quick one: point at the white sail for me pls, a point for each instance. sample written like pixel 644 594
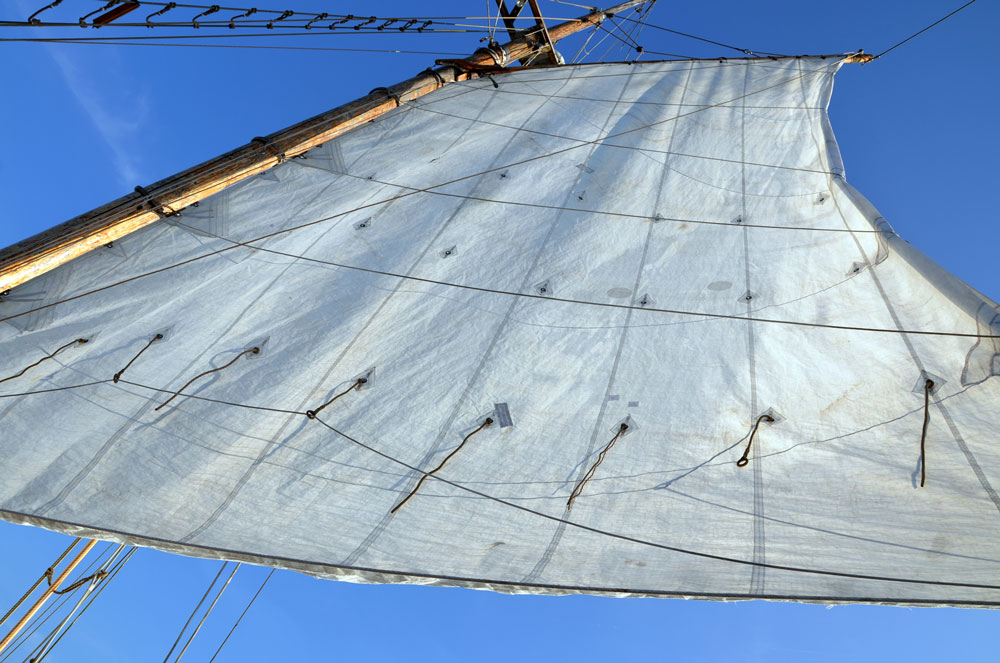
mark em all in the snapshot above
pixel 580 294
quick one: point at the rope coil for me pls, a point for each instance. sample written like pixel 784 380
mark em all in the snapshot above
pixel 253 350
pixel 600 459
pixel 486 422
pixel 744 460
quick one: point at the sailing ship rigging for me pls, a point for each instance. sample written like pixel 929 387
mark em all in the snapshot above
pixel 511 327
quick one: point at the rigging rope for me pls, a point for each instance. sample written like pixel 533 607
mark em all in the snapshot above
pixel 47 575
pixel 653 544
pixel 253 350
pixel 745 458
pixel 208 612
pixel 745 51
pixel 195 611
pixel 242 615
pixel 106 41
pixel 486 422
pixel 110 576
pixel 915 34
pixel 600 459
pixel 928 387
pixel 24 370
pixel 278 19
pixel 357 385
pixel 118 375
pixel 43 616
pixel 95 580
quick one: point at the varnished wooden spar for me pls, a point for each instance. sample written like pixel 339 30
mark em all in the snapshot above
pixel 51 248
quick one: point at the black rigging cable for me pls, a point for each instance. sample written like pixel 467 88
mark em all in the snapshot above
pixel 97 592
pixel 98 42
pixel 915 34
pixel 745 51
pixel 595 530
pixel 208 612
pixel 49 611
pixel 242 615
pixel 250 244
pixel 653 544
pixel 195 611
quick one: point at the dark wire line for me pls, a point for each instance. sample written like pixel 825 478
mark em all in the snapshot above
pixel 242 615
pixel 195 611
pixel 653 544
pixel 92 42
pixel 211 607
pixel 47 574
pixel 233 179
pixel 639 149
pixel 624 537
pixel 746 51
pixel 45 391
pixel 404 195
pixel 916 34
pixel 310 15
pixel 40 619
pixel 44 648
pixel 321 33
pixel 43 359
pixel 566 300
pixel 104 583
pixel 620 40
pixel 598 212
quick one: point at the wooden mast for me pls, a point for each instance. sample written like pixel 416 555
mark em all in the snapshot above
pixel 49 249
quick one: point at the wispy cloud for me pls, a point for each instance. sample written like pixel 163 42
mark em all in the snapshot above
pixel 117 120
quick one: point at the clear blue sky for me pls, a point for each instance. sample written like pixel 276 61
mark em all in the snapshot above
pixel 84 124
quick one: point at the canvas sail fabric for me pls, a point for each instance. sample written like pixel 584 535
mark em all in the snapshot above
pixel 671 246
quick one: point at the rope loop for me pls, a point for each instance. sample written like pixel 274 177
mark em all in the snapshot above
pixel 100 575
pixel 745 459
